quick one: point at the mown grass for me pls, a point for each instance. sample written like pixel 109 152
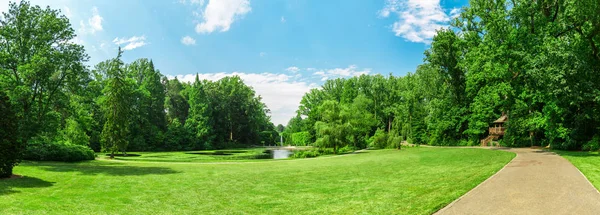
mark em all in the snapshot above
pixel 237 155
pixel 409 181
pixel 587 162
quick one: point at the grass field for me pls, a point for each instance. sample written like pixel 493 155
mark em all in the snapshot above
pixel 587 162
pixel 409 181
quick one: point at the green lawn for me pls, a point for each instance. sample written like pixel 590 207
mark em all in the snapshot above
pixel 587 162
pixel 410 181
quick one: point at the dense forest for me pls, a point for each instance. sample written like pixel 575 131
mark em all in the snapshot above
pixel 535 61
pixel 538 62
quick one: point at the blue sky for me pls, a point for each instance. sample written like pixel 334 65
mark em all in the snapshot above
pixel 280 48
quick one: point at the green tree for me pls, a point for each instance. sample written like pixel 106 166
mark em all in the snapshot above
pixel 11 148
pixel 280 128
pixel 176 103
pixel 39 67
pixel 116 105
pixel 333 130
pixel 199 121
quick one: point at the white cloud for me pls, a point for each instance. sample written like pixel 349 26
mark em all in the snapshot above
pixel 188 41
pixel 418 20
pixel 455 12
pixel 131 43
pixel 94 23
pixel 292 69
pixel 350 71
pixel 220 14
pixel 262 54
pixel 67 11
pixel 282 19
pixel 77 40
pixel 3 8
pixel 281 93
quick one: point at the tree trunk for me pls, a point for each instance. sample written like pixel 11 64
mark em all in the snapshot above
pixel 112 155
pixel 6 171
pixel 335 149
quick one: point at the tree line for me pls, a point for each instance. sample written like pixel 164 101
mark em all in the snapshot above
pixel 49 97
pixel 535 61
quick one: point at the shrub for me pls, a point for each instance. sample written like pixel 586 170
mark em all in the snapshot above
pixel 301 138
pixel 394 142
pixel 326 151
pixel 305 153
pixel 58 152
pixel 593 144
pixel 346 149
pixel 379 139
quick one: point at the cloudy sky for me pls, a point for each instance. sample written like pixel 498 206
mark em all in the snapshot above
pixel 282 48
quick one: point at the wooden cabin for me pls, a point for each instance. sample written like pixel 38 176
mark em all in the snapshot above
pixel 496 130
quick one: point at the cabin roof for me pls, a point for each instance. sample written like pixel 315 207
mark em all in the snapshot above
pixel 502 119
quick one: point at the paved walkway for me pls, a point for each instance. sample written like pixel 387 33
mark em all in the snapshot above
pixel 534 182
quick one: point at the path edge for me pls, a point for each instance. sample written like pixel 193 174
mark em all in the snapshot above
pixel 580 172
pixel 467 193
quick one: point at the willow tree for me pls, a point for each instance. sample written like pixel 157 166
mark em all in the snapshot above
pixel 333 129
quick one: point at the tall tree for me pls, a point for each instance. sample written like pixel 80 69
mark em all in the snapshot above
pixel 116 105
pixel 333 130
pixel 176 103
pixel 11 148
pixel 39 66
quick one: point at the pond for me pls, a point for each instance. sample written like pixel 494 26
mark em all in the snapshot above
pixel 281 153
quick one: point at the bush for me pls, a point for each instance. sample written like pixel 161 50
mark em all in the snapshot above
pixel 379 139
pixel 305 154
pixel 394 142
pixel 301 138
pixel 593 144
pixel 346 149
pixel 315 152
pixel 58 152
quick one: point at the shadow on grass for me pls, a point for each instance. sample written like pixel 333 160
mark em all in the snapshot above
pixel 576 153
pixel 95 168
pixel 121 155
pixel 501 148
pixel 7 185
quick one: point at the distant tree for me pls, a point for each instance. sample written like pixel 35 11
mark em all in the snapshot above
pixel 280 128
pixel 116 105
pixel 359 119
pixel 199 121
pixel 176 103
pixel 149 122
